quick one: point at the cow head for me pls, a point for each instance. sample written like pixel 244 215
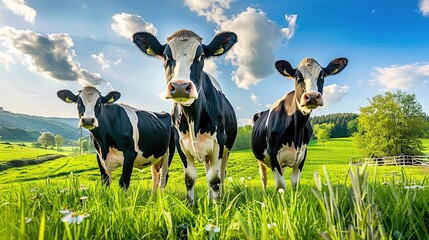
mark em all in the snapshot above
pixel 183 57
pixel 309 79
pixel 89 103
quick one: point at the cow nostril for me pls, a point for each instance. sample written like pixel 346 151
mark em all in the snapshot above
pixel 188 88
pixel 172 88
pixel 92 120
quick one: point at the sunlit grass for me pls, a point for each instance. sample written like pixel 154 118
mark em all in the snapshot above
pixel 360 207
pixel 24 150
pixel 385 201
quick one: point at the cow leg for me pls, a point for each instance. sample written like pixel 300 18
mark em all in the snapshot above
pixel 213 165
pixel 164 170
pixel 225 157
pixel 190 179
pixel 263 174
pixel 277 170
pixel 155 169
pixel 190 174
pixel 127 169
pixel 106 176
pixel 296 172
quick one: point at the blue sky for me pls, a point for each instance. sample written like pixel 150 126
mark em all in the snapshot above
pixel 49 45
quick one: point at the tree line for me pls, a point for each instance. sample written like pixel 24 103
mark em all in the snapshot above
pixel 344 124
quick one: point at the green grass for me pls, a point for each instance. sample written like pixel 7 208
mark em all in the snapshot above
pixel 330 203
pixel 425 146
pixel 24 150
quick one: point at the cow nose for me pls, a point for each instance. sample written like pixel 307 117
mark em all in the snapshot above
pixel 180 89
pixel 313 98
pixel 88 122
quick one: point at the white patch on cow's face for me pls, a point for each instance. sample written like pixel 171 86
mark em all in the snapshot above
pixel 89 97
pixel 183 51
pixel 311 74
pixel 310 71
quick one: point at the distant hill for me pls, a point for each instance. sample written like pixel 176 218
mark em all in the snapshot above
pixel 11 123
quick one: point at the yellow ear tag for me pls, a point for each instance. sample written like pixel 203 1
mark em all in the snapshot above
pixel 150 52
pixel 219 51
pixel 336 70
pixel 285 72
pixel 111 100
pixel 68 100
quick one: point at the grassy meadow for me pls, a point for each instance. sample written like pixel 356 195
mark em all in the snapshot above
pixel 63 199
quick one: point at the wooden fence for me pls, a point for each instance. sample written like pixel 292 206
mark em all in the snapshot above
pixel 393 161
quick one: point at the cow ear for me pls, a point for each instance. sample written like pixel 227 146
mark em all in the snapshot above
pixel 111 97
pixel 285 69
pixel 335 66
pixel 67 96
pixel 220 44
pixel 148 44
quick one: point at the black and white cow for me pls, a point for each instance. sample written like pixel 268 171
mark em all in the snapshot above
pixel 281 134
pixel 204 118
pixel 124 136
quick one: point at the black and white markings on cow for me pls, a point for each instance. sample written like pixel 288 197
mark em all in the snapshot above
pixel 204 119
pixel 281 134
pixel 124 136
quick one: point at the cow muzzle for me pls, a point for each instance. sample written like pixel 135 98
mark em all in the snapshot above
pixel 311 100
pixel 88 123
pixel 181 91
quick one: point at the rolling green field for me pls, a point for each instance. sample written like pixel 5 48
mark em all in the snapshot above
pixel 332 202
pixel 24 150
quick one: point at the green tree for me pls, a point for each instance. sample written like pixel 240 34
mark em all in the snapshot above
pixel 243 138
pixel 46 139
pixel 59 141
pixel 323 131
pixel 352 127
pixel 85 145
pixel 391 125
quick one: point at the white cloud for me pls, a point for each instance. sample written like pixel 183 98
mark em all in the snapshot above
pixel 289 32
pixel 244 121
pixel 213 10
pixel 334 93
pixel 6 59
pixel 253 54
pixel 258 38
pixel 402 77
pixel 50 56
pixel 101 60
pixel 19 7
pixel 424 7
pixel 254 98
pixel 117 62
pixel 126 25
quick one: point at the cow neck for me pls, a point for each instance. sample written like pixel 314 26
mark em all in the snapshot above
pixel 99 131
pixel 192 114
pixel 300 122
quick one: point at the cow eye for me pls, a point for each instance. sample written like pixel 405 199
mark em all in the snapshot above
pixel 166 58
pixel 200 58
